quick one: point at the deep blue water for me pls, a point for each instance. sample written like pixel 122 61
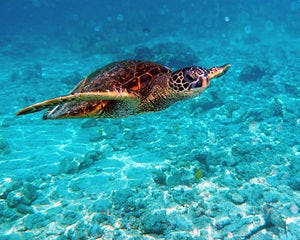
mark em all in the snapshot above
pixel 223 165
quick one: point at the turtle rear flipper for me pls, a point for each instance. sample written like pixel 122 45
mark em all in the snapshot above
pixel 130 98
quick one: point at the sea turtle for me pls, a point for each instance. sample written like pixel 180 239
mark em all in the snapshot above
pixel 126 88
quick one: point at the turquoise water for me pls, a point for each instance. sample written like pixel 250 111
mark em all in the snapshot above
pixel 224 165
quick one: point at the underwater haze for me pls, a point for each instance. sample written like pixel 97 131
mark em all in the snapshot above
pixel 223 165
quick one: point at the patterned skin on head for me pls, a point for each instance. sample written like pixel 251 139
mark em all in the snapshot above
pixel 190 78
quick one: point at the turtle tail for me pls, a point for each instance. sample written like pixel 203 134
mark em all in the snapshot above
pixel 78 97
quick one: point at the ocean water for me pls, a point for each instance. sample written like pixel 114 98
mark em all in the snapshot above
pixel 223 165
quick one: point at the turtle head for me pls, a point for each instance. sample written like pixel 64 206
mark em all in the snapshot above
pixel 194 80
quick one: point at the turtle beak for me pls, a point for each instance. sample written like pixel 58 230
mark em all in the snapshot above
pixel 216 72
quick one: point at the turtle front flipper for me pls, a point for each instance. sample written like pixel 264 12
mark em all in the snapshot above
pixel 130 98
pixel 216 72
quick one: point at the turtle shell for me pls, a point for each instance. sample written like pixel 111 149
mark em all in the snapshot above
pixel 132 76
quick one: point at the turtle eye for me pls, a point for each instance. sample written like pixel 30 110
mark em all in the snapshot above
pixel 189 77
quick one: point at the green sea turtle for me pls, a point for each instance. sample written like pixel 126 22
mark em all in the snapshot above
pixel 126 88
